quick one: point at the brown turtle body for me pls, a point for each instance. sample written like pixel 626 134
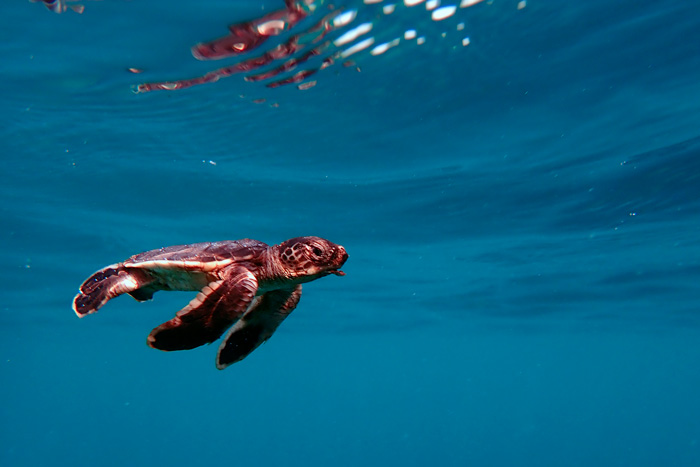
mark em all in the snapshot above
pixel 244 285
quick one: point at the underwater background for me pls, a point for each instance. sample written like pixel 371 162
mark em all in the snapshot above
pixel 519 194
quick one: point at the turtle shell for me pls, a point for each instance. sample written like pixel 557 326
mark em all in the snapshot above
pixel 179 267
pixel 205 256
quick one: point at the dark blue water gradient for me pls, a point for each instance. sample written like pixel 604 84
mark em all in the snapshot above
pixel 521 216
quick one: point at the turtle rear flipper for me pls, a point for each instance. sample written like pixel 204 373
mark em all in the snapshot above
pixel 209 314
pixel 106 284
pixel 257 325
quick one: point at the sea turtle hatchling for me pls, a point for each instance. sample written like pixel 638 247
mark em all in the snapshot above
pixel 244 285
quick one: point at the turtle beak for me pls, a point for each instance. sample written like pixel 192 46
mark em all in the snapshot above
pixel 342 256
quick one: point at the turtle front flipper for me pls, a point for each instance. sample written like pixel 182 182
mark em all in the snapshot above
pixel 209 314
pixel 257 325
pixel 108 283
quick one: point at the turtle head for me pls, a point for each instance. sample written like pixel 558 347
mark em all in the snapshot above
pixel 304 259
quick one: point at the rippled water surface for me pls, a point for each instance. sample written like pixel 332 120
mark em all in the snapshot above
pixel 517 185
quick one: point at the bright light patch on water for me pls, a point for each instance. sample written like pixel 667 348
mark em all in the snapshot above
pixel 432 4
pixel 362 45
pixel 468 3
pixel 272 28
pixel 381 48
pixel 353 34
pixel 344 19
pixel 443 13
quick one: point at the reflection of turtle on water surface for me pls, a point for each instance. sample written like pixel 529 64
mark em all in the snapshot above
pixel 242 284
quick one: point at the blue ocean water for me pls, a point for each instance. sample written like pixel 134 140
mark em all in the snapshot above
pixel 521 212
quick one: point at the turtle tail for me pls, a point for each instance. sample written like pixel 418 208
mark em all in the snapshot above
pixel 108 283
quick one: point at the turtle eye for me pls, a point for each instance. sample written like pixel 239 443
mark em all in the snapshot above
pixel 317 251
